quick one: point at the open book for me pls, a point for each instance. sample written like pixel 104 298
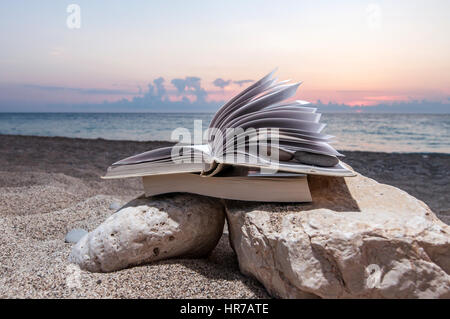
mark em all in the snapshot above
pixel 259 130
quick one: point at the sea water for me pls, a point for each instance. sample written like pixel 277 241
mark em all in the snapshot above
pixel 364 132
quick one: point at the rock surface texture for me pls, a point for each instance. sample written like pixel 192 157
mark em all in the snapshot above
pixel 147 230
pixel 357 239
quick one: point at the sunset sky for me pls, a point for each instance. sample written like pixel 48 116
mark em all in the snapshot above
pixel 350 52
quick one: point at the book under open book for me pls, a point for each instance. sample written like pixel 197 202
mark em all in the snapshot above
pixel 258 147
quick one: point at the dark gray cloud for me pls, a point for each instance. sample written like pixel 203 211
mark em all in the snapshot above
pixel 159 86
pixel 156 98
pixel 221 83
pixel 190 85
pixel 242 82
pixel 180 84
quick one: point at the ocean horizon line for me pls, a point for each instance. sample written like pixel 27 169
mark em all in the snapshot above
pixel 213 112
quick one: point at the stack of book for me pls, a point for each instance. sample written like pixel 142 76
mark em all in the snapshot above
pixel 259 147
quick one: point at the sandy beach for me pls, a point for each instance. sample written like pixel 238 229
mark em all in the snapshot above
pixel 49 185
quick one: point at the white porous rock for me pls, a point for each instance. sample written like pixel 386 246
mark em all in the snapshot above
pixel 151 229
pixel 357 239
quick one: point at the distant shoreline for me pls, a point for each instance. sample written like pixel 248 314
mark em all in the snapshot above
pixel 170 143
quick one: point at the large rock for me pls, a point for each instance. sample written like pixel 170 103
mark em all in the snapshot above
pixel 147 230
pixel 357 239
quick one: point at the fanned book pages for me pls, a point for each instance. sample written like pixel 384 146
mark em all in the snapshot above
pixel 259 139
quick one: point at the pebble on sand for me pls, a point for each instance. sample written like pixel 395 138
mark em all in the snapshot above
pixel 114 206
pixel 74 235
